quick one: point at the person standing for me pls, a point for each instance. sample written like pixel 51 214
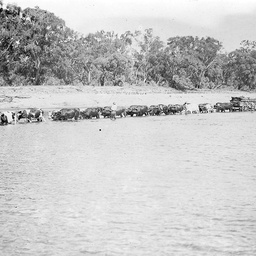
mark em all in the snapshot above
pixel 113 111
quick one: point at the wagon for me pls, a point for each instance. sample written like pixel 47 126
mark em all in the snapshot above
pixel 243 104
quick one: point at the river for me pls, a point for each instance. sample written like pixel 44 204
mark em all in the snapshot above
pixel 168 185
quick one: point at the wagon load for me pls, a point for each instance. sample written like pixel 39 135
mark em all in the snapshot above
pixel 243 103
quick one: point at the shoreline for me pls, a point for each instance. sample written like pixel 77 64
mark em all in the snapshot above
pixel 56 97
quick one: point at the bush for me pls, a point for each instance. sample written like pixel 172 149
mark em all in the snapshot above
pixel 17 80
pixel 182 83
pixel 53 81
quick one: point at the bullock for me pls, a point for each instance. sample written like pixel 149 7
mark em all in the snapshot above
pixel 106 111
pixel 174 109
pixel 121 111
pixel 30 114
pixel 89 113
pixel 7 117
pixel 156 110
pixel 53 114
pixel 222 107
pixel 163 108
pixel 252 106
pixel 205 108
pixel 131 110
pixel 246 106
pixel 66 114
pixel 191 108
pixel 138 110
pixel 142 110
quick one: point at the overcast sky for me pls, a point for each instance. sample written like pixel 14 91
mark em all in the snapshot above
pixel 229 21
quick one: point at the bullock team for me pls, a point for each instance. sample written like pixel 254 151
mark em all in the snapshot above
pixel 34 114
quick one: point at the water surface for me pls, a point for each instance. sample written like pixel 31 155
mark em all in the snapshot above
pixel 169 185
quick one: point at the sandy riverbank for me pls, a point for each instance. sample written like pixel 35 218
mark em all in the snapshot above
pixel 55 97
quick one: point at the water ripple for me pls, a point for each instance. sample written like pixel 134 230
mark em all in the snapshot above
pixel 175 185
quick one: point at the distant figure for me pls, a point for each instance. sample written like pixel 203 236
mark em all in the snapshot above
pixel 113 111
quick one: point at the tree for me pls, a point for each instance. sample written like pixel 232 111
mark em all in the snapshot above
pixel 147 57
pixel 82 60
pixel 107 52
pixel 37 47
pixel 10 30
pixel 241 66
pixel 31 43
pixel 199 56
pixel 42 41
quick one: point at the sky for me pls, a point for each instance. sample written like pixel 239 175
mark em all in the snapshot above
pixel 229 21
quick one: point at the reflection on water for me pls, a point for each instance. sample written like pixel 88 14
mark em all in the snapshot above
pixel 170 185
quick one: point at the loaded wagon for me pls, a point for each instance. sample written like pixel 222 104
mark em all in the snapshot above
pixel 243 104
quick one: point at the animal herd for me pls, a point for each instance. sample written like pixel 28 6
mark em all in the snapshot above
pixel 64 114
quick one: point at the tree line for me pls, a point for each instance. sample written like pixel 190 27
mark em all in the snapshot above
pixel 37 48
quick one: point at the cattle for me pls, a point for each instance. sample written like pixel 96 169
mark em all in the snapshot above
pixel 51 114
pixel 175 109
pixel 89 113
pixel 222 107
pixel 138 110
pixel 142 110
pixel 121 111
pixel 66 114
pixel 31 114
pixel 205 108
pixel 191 108
pixel 106 111
pixel 244 106
pixel 156 110
pixel 7 117
pixel 163 108
pixel 131 110
pixel 251 106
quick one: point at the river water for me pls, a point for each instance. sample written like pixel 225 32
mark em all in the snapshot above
pixel 168 185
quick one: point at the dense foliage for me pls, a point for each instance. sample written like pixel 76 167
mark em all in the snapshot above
pixel 37 48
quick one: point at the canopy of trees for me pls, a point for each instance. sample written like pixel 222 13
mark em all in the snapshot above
pixel 37 48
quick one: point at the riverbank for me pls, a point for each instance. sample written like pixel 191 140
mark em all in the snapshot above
pixel 55 97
